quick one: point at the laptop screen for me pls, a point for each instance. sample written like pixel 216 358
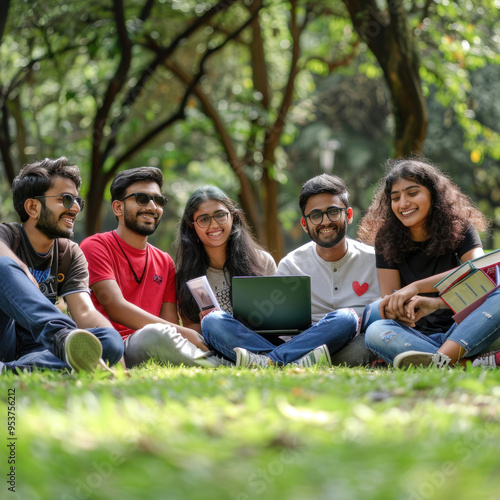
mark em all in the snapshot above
pixel 273 304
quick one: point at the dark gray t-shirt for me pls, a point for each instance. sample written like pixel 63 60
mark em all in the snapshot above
pixel 54 279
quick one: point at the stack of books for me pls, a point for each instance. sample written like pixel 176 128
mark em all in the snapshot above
pixel 468 286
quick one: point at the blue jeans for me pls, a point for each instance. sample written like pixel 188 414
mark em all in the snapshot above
pixel 475 333
pixel 223 333
pixel 29 321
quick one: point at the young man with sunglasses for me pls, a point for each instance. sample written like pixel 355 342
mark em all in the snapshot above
pixel 133 282
pixel 343 281
pixel 38 263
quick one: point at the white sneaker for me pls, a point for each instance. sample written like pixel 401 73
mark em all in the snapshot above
pixel 488 360
pixel 317 357
pixel 416 358
pixel 247 358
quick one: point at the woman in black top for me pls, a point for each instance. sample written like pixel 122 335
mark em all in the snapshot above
pixel 422 226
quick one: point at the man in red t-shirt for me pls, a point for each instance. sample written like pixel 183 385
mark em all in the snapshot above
pixel 133 282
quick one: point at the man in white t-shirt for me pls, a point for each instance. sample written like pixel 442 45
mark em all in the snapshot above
pixel 342 270
pixel 343 281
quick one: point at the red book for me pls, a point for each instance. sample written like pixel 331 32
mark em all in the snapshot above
pixel 486 263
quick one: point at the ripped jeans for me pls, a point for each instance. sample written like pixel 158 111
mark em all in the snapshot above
pixel 388 338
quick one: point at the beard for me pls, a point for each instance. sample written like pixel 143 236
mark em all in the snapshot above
pixel 141 228
pixel 48 224
pixel 328 243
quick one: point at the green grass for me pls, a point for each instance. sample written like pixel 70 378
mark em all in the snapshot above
pixel 184 433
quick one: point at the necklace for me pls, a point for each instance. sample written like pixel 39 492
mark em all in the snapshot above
pixel 129 264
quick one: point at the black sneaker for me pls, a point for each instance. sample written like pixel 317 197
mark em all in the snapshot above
pixel 80 349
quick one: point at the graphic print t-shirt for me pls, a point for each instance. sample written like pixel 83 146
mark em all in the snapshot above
pixel 44 267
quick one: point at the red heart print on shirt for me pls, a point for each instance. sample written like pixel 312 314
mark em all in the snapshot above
pixel 359 289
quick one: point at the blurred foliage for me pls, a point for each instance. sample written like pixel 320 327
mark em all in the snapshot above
pixel 61 61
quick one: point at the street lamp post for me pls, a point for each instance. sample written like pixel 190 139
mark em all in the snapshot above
pixel 327 154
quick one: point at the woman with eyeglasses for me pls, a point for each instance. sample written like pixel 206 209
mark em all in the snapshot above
pixel 214 240
pixel 422 226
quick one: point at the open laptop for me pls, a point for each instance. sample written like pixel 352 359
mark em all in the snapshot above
pixel 273 305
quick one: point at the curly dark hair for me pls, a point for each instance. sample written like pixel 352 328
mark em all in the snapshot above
pixel 244 255
pixel 451 212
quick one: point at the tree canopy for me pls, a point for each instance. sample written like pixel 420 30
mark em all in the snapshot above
pixel 228 85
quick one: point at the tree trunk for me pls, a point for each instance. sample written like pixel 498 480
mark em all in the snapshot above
pixel 273 237
pixel 388 36
pixel 4 14
pixel 93 205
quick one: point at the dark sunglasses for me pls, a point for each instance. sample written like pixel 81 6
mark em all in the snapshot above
pixel 67 200
pixel 143 199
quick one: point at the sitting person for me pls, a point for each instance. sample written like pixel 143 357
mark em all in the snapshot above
pixel 214 240
pixel 422 226
pixel 38 264
pixel 133 282
pixel 343 282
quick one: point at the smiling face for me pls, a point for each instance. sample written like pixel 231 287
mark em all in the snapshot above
pixel 327 234
pixel 141 219
pixel 215 235
pixel 56 221
pixel 411 204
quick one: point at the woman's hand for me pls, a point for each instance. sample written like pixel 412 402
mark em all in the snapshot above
pixel 393 306
pixel 418 307
pixel 206 311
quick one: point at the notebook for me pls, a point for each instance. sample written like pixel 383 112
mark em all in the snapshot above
pixel 273 305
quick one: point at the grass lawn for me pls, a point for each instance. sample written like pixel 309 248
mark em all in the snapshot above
pixel 186 433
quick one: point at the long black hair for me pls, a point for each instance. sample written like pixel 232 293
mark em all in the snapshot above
pixel 451 212
pixel 244 256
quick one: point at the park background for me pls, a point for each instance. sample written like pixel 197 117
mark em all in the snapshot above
pixel 256 97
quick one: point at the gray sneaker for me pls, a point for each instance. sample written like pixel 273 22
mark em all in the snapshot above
pixel 212 360
pixel 416 358
pixel 247 358
pixel 80 349
pixel 317 357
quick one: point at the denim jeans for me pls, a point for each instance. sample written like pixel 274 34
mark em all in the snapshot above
pixel 29 321
pixel 475 333
pixel 223 333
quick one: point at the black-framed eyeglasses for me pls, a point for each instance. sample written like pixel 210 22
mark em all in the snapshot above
pixel 143 199
pixel 203 221
pixel 333 213
pixel 67 200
